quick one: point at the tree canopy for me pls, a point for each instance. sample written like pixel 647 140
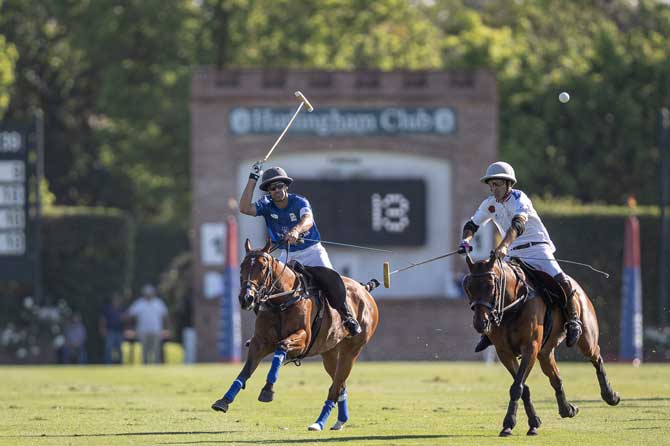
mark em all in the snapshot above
pixel 113 79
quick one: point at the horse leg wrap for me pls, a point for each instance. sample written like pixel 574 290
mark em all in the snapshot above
pixel 325 413
pixel 277 361
pixel 342 407
pixel 515 392
pixel 235 388
pixel 510 418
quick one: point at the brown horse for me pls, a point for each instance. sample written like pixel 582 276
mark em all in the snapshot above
pixel 290 324
pixel 509 311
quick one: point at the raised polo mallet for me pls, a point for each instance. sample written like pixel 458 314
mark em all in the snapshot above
pixel 303 101
pixel 388 273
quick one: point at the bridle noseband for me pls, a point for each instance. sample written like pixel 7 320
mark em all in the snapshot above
pixel 499 284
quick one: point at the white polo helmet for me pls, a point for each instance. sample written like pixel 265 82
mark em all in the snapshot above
pixel 499 170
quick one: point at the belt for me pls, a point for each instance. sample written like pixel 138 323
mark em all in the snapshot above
pixel 528 245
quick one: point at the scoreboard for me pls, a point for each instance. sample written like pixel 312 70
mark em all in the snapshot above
pixel 15 258
pixel 375 212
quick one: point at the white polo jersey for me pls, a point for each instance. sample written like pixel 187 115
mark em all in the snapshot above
pixel 517 203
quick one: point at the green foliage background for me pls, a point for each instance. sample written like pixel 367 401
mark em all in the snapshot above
pixel 113 78
pixel 87 256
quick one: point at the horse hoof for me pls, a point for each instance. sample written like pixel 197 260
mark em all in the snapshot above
pixel 505 432
pixel 315 427
pixel 534 422
pixel 266 396
pixel 570 412
pixel 532 431
pixel 338 426
pixel 221 405
pixel 612 399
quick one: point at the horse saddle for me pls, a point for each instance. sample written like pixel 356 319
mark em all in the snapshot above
pixel 544 284
pixel 320 278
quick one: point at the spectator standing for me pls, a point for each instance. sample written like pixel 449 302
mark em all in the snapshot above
pixel 74 348
pixel 111 329
pixel 150 314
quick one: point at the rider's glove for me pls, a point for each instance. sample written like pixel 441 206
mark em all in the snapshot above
pixel 464 247
pixel 293 236
pixel 256 170
pixel 501 251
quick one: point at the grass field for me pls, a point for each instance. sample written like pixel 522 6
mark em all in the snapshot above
pixel 390 404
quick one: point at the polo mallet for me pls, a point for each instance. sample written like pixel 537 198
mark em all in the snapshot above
pixel 388 273
pixel 303 101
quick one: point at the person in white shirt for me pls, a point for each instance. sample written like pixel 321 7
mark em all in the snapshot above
pixel 524 236
pixel 150 314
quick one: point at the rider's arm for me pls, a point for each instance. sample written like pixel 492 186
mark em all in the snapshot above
pixel 469 230
pixel 516 229
pixel 246 206
pixel 304 225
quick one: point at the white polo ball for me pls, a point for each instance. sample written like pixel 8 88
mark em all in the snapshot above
pixel 564 97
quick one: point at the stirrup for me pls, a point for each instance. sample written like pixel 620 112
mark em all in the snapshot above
pixel 483 344
pixel 574 332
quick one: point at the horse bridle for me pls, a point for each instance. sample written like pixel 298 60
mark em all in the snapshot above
pixel 499 285
pixel 264 293
pixel 249 286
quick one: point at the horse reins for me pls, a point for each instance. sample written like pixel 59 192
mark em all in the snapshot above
pixel 497 309
pixel 263 293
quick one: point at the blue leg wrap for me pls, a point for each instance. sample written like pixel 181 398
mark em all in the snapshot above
pixel 238 384
pixel 342 407
pixel 325 413
pixel 277 361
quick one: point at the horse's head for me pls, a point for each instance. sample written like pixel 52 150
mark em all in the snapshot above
pixel 255 275
pixel 481 287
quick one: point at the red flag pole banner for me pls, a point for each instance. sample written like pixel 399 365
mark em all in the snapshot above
pixel 229 341
pixel 630 346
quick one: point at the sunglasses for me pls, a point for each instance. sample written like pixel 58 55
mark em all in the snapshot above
pixel 276 186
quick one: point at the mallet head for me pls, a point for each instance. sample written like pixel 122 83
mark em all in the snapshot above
pixel 304 100
pixel 387 275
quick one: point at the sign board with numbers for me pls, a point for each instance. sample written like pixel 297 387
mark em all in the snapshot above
pixel 379 212
pixel 15 229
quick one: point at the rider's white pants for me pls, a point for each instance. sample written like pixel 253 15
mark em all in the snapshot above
pixel 539 257
pixel 315 255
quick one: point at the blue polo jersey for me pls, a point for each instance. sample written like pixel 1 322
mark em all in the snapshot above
pixel 280 221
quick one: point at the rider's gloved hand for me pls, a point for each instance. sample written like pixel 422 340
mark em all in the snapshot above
pixel 464 247
pixel 256 170
pixel 292 236
pixel 501 251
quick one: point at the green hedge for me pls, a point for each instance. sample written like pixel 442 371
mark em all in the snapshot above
pixel 156 245
pixel 596 236
pixel 87 254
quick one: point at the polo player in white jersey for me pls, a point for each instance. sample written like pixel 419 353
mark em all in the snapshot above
pixel 524 236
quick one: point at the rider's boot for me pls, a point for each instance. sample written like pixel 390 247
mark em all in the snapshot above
pixel 572 325
pixel 483 344
pixel 349 321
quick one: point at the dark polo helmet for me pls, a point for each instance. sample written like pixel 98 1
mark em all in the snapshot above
pixel 274 174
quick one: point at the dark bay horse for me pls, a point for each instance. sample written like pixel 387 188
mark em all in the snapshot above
pixel 285 325
pixel 509 311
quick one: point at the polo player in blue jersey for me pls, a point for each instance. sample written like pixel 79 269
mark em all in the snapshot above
pixel 289 218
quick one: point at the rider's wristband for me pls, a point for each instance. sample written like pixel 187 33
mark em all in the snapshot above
pixel 253 176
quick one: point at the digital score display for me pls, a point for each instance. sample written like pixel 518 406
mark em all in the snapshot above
pixel 13 201
pixel 379 212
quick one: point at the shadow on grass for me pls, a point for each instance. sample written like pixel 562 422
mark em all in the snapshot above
pixel 124 434
pixel 626 400
pixel 384 438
